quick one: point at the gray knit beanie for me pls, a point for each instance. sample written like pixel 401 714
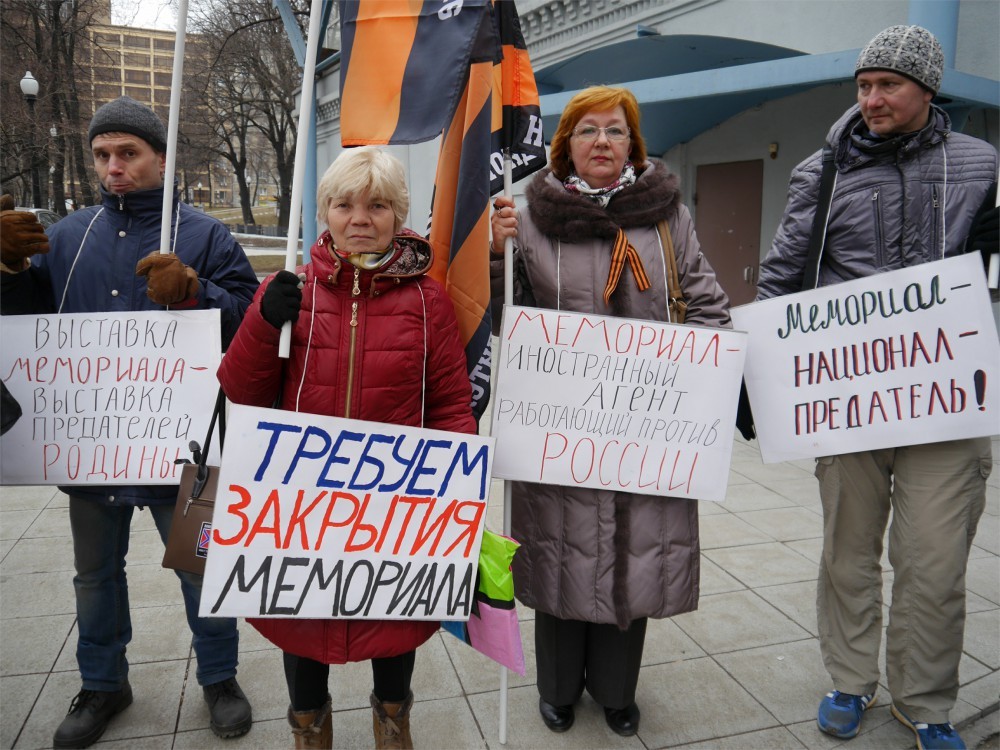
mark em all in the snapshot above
pixel 126 115
pixel 911 51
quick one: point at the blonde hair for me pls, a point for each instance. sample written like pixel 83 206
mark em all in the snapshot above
pixel 365 171
pixel 599 99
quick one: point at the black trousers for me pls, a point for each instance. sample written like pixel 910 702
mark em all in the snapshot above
pixel 571 655
pixel 308 680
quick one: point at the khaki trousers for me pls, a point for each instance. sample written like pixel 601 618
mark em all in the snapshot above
pixel 936 493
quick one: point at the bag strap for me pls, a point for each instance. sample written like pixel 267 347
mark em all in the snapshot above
pixel 673 279
pixel 817 239
pixel 201 454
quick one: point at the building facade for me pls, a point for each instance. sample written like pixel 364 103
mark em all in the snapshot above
pixel 734 94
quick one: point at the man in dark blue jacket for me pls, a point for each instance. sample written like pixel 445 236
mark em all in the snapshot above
pixel 106 259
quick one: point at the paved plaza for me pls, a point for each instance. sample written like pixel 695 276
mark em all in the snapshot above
pixel 744 671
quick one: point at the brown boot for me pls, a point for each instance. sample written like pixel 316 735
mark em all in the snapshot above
pixel 391 724
pixel 312 729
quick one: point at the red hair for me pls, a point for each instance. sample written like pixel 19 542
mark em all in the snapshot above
pixel 595 99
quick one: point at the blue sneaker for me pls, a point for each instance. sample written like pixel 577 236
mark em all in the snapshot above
pixel 840 713
pixel 931 736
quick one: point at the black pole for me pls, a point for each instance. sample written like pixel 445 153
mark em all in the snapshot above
pixel 36 184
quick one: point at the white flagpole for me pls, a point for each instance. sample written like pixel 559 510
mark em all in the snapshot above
pixel 301 141
pixel 508 299
pixel 993 275
pixel 175 109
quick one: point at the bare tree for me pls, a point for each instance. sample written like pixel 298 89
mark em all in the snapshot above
pixel 45 37
pixel 249 84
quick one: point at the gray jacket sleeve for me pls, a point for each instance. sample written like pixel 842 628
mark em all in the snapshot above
pixel 782 269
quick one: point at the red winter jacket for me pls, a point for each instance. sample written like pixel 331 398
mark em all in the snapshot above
pixel 405 366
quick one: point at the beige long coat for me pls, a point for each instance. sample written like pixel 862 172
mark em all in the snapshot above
pixel 587 554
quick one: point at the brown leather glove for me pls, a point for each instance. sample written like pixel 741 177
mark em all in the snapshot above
pixel 168 281
pixel 21 236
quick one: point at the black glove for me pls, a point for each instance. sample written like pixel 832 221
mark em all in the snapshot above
pixel 282 299
pixel 984 234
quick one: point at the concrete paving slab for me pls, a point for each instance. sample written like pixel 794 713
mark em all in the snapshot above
pixel 680 703
pixel 772 476
pixel 751 496
pixel 982 693
pixel 982 637
pixel 811 549
pixel 786 678
pixel 795 600
pixel 525 730
pixel 769 701
pixel 263 734
pixel 803 492
pixel 767 739
pixel 727 530
pixel 714 580
pixel 737 621
pixel 763 564
pixel 51 522
pixel 785 524
pixel 988 534
pixel 976 603
pixel 666 642
pixel 27 497
pixel 17 699
pixel 982 577
pixel 31 645
pixel 14 523
pixel 46 555
pixel 36 594
pixel 970 669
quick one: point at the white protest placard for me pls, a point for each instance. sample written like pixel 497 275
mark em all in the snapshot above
pixel 899 358
pixel 335 518
pixel 107 398
pixel 616 404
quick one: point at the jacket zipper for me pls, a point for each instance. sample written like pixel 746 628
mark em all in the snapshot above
pixel 936 221
pixel 879 250
pixel 355 292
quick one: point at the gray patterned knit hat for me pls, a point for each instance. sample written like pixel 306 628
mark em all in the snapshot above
pixel 126 115
pixel 911 51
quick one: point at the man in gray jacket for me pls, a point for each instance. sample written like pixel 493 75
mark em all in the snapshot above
pixel 906 190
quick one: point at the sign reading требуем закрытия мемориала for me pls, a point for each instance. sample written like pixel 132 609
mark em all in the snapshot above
pixel 334 518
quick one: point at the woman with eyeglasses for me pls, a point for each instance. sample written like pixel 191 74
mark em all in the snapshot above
pixel 595 564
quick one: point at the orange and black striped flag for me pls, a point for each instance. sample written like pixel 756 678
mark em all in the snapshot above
pixel 496 107
pixel 402 67
pixel 499 110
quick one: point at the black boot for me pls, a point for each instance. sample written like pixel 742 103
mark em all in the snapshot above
pixel 89 715
pixel 230 709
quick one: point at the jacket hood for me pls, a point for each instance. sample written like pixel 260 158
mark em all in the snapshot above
pixel 853 145
pixel 572 217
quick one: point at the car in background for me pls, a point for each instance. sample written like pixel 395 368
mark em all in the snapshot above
pixel 45 217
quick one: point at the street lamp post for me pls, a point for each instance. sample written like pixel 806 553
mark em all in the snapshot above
pixel 29 87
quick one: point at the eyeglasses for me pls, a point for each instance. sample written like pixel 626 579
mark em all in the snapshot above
pixel 590 132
